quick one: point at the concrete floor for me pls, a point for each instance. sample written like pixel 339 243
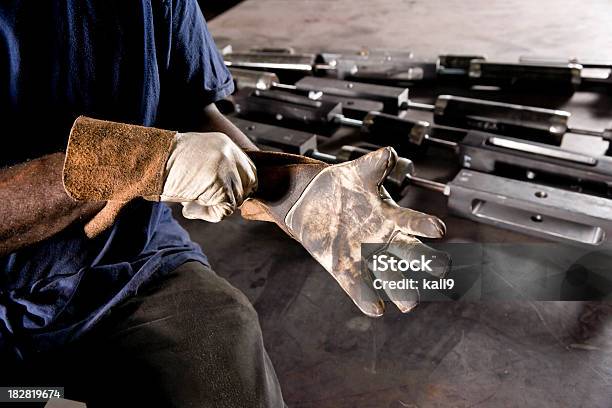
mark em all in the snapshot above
pixel 487 354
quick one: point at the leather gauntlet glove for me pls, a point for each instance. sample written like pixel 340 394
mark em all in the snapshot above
pixel 332 210
pixel 115 162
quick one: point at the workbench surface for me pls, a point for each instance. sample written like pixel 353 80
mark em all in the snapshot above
pixel 460 354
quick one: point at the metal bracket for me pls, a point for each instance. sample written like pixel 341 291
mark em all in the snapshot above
pixel 485 152
pixel 532 209
pixel 287 140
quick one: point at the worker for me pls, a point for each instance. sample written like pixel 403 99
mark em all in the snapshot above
pixel 101 291
pixel 134 316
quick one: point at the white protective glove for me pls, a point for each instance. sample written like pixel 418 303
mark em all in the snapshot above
pixel 209 174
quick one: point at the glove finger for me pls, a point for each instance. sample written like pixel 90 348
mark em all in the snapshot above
pixel 441 261
pixel 237 185
pixel 408 248
pixel 400 247
pixel 248 176
pixel 405 299
pixel 220 193
pixel 104 219
pixel 364 296
pixel 413 222
pixel 374 167
pixel 241 186
pixel 211 213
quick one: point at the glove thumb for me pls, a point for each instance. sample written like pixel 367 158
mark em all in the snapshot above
pixel 373 168
pixel 104 219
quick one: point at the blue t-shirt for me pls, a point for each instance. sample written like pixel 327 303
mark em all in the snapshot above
pixel 148 62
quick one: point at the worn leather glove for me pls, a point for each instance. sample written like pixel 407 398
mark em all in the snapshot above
pixel 209 174
pixel 116 162
pixel 332 210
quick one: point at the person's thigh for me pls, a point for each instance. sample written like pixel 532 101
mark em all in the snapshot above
pixel 192 341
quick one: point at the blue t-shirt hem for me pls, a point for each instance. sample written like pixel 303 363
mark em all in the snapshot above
pixel 223 92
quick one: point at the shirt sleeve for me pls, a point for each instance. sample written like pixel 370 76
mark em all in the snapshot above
pixel 196 73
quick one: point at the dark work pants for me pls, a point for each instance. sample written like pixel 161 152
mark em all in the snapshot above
pixel 193 340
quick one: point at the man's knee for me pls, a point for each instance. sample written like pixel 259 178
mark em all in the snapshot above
pixel 214 287
pixel 234 315
pixel 198 339
pixel 214 301
pixel 225 327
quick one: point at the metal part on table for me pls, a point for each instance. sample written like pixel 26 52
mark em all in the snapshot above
pixel 411 71
pixel 339 67
pixel 555 77
pixel 547 60
pixel 273 50
pixel 345 154
pixel 532 123
pixel 287 140
pixel 406 135
pixel 542 150
pixel 287 62
pixel 224 45
pixel 247 78
pixel 402 133
pixel 372 66
pixel 365 54
pixel 454 64
pixel 486 152
pixel 285 106
pixel 538 124
pixel 354 106
pixel 532 209
pixel 351 107
pixel 393 98
pixel 350 61
pixel 292 141
pixel 524 122
pixel 521 206
pixel 401 67
pixel 272 61
pixel 378 66
pixel 593 71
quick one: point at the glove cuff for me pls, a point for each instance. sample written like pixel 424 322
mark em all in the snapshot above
pixel 282 178
pixel 108 161
pixel 115 161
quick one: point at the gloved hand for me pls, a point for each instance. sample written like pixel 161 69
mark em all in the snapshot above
pixel 208 174
pixel 117 162
pixel 332 210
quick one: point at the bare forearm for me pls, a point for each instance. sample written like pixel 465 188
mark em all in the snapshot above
pixel 35 205
pixel 214 121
